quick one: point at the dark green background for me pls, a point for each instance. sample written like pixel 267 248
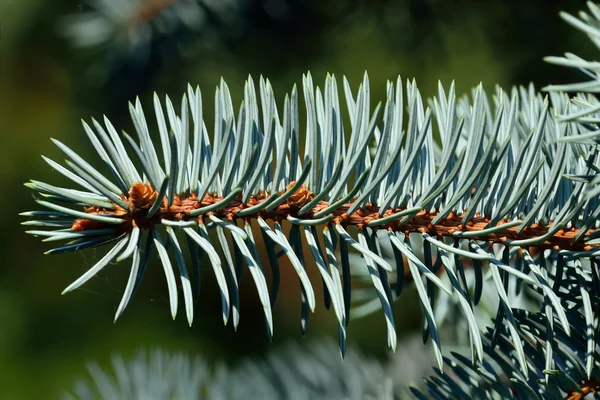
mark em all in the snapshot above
pixel 46 86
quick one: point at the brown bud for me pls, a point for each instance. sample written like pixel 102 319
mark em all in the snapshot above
pixel 300 197
pixel 142 195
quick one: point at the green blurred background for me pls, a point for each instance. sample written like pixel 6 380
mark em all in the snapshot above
pixel 47 85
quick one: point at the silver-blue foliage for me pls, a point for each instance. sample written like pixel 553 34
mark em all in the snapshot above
pixel 502 192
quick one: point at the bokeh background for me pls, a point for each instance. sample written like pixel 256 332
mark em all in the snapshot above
pixel 51 77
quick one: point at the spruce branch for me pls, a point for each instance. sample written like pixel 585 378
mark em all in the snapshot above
pixel 307 371
pixel 494 182
pixel 561 362
pixel 584 108
pixel 131 35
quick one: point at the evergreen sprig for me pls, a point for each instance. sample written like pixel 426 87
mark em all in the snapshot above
pixel 561 362
pixel 501 190
pixel 584 108
pixel 136 33
pixel 292 372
